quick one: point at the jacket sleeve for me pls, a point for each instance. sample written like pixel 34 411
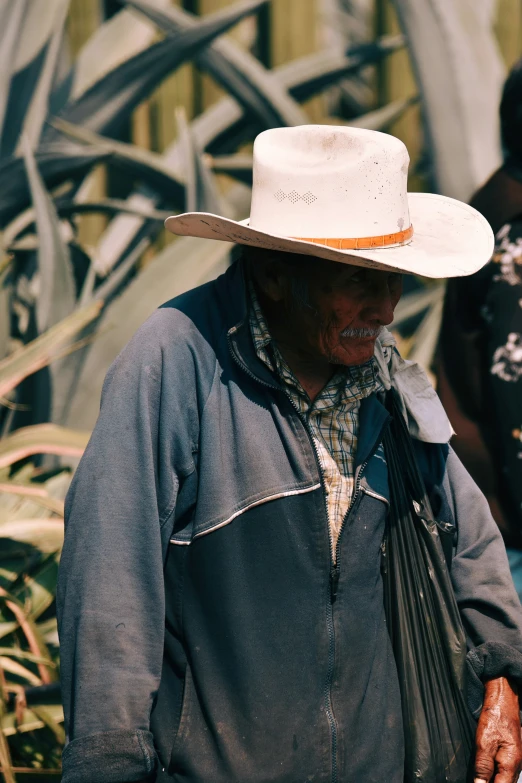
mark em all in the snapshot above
pixel 110 599
pixel 487 600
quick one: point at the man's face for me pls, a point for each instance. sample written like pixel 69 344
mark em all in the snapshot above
pixel 335 311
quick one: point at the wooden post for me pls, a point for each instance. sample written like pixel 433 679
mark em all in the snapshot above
pixel 508 27
pixel 294 25
pixel 397 81
pixel 84 18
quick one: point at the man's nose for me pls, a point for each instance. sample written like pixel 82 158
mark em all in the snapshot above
pixel 379 305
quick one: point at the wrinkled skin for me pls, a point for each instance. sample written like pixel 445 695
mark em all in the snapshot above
pixel 338 297
pixel 498 742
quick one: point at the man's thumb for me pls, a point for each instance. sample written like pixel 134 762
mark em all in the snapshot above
pixel 484 768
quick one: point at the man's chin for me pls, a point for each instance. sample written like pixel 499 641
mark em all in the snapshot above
pixel 355 354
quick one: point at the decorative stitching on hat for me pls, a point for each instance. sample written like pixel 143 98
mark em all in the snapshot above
pixel 294 196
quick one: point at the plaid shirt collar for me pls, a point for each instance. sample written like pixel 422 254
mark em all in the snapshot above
pixel 348 385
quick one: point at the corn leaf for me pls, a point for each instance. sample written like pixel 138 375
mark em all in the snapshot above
pixel 42 439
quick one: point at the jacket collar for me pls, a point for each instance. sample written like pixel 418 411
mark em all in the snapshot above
pixel 422 409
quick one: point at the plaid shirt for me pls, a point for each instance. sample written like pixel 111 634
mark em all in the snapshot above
pixel 332 418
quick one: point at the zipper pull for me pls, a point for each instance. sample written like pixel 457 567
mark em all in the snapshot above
pixel 335 572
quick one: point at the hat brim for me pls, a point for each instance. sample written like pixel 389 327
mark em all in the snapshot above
pixel 451 239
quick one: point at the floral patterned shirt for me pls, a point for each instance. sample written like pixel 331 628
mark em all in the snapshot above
pixel 332 418
pixel 491 304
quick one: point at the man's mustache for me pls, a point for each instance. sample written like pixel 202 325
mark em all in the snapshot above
pixel 361 332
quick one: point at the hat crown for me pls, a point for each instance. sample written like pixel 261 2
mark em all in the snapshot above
pixel 316 181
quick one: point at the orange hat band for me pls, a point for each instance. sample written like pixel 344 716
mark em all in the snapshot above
pixel 363 243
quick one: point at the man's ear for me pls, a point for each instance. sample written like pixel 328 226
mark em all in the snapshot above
pixel 270 278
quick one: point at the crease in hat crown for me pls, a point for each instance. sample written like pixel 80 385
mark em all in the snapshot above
pixel 316 181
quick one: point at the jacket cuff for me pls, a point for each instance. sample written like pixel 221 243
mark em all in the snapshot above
pixel 110 757
pixel 490 660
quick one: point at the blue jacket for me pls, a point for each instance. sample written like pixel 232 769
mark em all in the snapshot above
pixel 199 637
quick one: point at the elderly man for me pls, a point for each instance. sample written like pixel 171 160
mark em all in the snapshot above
pixel 220 595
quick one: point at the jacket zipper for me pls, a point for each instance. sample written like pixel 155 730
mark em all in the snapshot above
pixel 329 611
pixel 334 555
pixel 336 568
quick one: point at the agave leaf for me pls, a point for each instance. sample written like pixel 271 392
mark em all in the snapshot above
pixel 56 164
pixel 427 334
pixel 143 163
pixel 115 41
pixel 237 71
pixel 116 279
pixel 39 107
pixel 41 351
pixel 201 192
pixel 382 118
pixel 237 166
pixel 106 106
pixel 13 667
pixel 415 303
pixel 42 439
pixel 111 206
pixel 185 263
pixel 311 74
pixel 13 18
pixel 45 534
pixel 467 82
pixel 57 290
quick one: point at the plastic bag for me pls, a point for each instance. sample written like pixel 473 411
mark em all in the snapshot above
pixel 423 620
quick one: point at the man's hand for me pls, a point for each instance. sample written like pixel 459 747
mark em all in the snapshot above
pixel 498 742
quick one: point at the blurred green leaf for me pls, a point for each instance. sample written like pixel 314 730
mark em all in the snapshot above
pixel 57 291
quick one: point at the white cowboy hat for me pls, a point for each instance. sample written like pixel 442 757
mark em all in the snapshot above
pixel 341 194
